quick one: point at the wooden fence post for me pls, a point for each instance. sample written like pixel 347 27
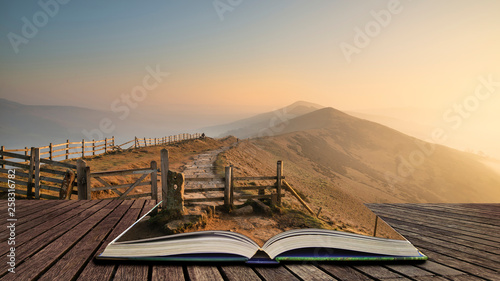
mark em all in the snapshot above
pixel 231 201
pixel 36 159
pixel 93 147
pixel 50 151
pixel 135 142
pixel 67 185
pixel 164 176
pixel 67 149
pixel 1 156
pixel 105 145
pixel 227 187
pixel 145 144
pixel 83 148
pixel 279 181
pixel 83 179
pixel 29 186
pixel 154 181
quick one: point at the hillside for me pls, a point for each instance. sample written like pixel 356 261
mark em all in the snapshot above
pixel 338 162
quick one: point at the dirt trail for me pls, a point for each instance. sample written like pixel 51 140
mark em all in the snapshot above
pixel 202 166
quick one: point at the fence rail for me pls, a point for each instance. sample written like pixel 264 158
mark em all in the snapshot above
pixel 85 148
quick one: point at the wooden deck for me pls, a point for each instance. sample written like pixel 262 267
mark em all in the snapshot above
pixel 57 240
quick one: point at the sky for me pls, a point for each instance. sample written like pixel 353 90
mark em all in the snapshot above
pixel 222 59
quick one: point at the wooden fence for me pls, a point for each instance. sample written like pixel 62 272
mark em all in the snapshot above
pixel 85 177
pixel 245 184
pixel 91 148
pixel 43 181
pixel 39 181
pixel 36 180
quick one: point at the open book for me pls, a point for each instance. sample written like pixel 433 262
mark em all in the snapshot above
pixel 291 245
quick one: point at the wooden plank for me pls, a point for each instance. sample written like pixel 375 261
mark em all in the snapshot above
pixel 457 264
pixel 148 205
pixel 197 190
pixel 205 179
pixel 439 269
pixel 464 228
pixel 115 187
pixel 18 182
pixel 73 261
pixel 141 195
pixel 167 273
pixel 275 273
pixel 255 178
pixel 36 217
pixel 244 197
pixel 209 199
pixel 202 273
pixel 104 271
pixel 14 155
pixel 409 270
pixel 38 239
pixel 344 272
pixel 465 217
pixel 257 187
pixel 239 272
pixel 57 163
pixel 308 272
pixel 131 273
pixel 49 179
pixel 455 229
pixel 457 260
pixel 122 172
pixel 52 252
pixel 14 164
pixel 377 271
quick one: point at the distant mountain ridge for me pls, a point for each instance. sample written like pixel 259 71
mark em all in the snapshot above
pixel 379 164
pixel 262 124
